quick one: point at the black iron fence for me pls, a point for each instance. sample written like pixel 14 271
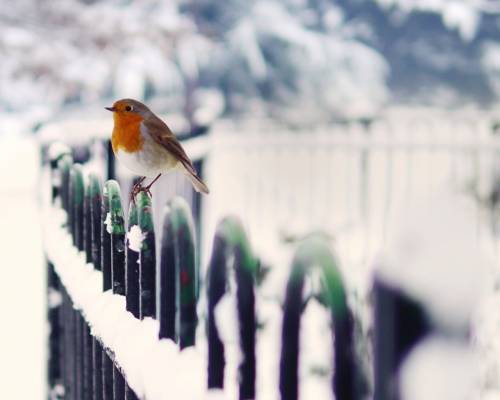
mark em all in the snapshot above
pixel 82 366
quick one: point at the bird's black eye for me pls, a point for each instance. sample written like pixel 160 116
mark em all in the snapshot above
pixel 128 108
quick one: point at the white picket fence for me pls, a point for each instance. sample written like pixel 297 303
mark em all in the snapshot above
pixel 347 180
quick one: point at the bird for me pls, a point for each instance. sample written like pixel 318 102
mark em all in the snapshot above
pixel 147 147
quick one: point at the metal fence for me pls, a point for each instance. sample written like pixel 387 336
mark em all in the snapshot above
pixel 82 366
pixel 168 288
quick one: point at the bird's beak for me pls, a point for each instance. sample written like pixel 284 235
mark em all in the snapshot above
pixel 112 109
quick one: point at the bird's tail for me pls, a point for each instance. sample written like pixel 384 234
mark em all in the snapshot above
pixel 198 184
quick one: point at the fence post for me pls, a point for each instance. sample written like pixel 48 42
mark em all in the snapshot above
pixel 178 275
pixel 95 210
pixel 399 323
pixel 315 252
pixel 64 166
pixel 54 300
pixel 132 267
pixel 105 240
pixel 230 240
pixel 87 224
pixel 56 152
pixel 147 258
pixel 77 194
pixel 116 227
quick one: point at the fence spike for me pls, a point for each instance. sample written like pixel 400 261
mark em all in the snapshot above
pixel 230 240
pixel 147 257
pixel 315 252
pixel 178 275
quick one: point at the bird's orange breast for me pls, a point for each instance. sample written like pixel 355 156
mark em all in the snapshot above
pixel 127 133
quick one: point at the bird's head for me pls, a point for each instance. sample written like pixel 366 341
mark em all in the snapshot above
pixel 129 109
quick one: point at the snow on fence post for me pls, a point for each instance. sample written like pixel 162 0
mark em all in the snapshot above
pixel 230 242
pixel 178 275
pixel 147 258
pixel 399 323
pixel 132 264
pixel 315 252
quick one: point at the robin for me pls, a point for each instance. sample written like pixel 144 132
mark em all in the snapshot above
pixel 147 146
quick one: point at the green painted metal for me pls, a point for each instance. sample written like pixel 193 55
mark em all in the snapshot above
pixel 94 187
pixel 179 275
pixel 117 221
pixel 314 254
pixel 231 248
pixel 145 212
pixel 233 232
pixel 315 251
pixel 116 227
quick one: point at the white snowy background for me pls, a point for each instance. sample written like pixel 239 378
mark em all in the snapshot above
pixel 288 87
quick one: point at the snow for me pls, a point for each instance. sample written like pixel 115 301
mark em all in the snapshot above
pixel 434 257
pixel 463 17
pixel 226 319
pixel 58 149
pixel 440 368
pixel 23 286
pixel 316 362
pixel 135 238
pixel 108 223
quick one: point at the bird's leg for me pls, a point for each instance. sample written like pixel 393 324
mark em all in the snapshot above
pixel 136 189
pixel 147 188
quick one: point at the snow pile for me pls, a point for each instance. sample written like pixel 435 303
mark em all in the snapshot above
pixel 436 259
pixel 316 362
pixel 135 238
pixel 226 319
pixel 440 368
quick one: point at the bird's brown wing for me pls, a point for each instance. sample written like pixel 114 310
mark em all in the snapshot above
pixel 162 134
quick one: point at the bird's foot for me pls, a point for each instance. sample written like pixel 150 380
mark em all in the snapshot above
pixel 146 189
pixel 136 189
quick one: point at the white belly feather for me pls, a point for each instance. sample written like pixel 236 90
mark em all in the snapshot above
pixel 151 161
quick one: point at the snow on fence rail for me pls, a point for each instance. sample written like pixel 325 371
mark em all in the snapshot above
pixel 121 329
